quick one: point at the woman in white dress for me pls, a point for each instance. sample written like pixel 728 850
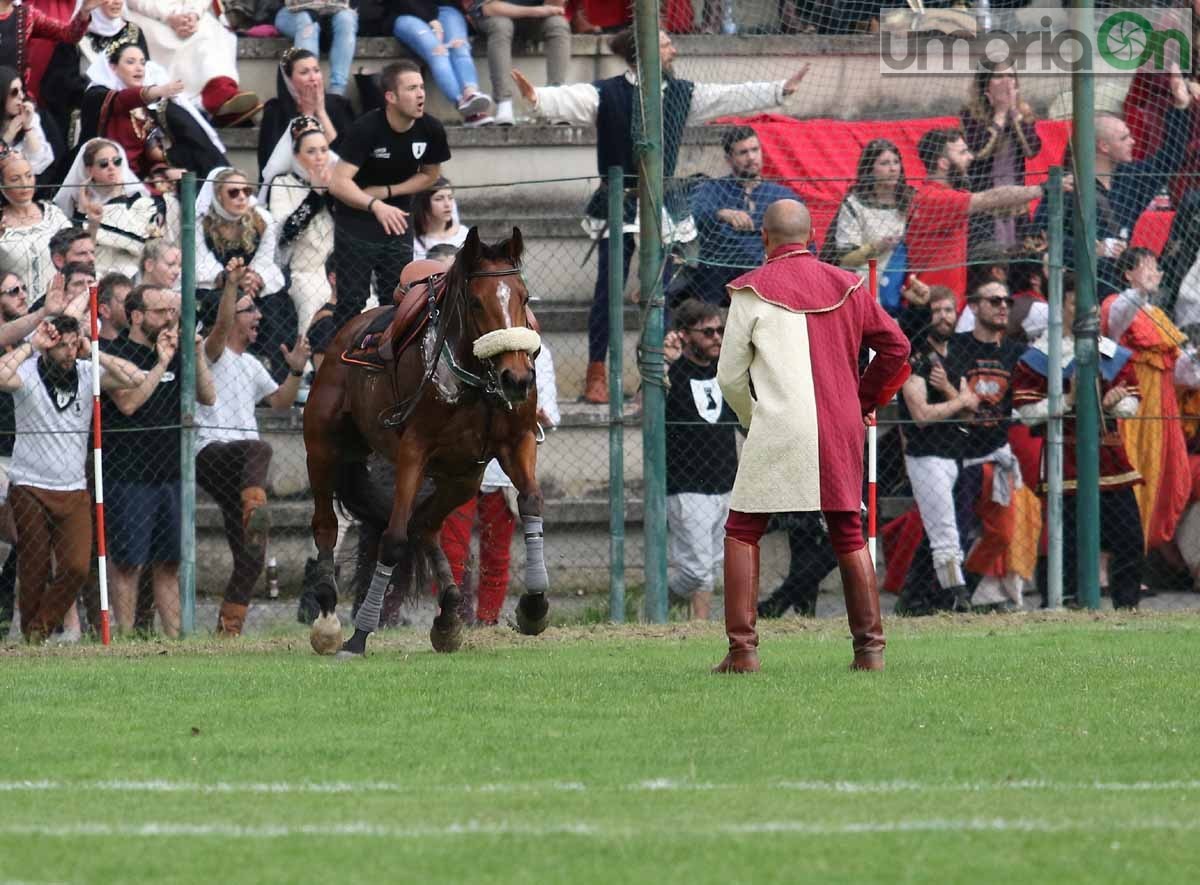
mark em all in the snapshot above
pixel 435 220
pixel 298 199
pixel 102 194
pixel 197 47
pixel 26 227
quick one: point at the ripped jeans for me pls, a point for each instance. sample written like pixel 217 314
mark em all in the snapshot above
pixel 452 70
pixel 305 30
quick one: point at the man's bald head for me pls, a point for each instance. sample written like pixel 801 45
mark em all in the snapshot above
pixel 786 221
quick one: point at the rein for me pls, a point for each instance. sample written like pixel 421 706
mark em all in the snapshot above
pixel 490 385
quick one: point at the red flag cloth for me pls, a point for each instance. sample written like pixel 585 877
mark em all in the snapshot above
pixel 824 153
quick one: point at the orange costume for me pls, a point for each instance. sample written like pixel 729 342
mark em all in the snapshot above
pixel 1154 440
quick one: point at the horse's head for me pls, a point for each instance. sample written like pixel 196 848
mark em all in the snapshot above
pixel 496 321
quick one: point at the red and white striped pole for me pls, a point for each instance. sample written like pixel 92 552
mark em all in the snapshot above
pixel 101 552
pixel 872 436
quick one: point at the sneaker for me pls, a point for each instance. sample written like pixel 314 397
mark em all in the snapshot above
pixel 476 120
pixel 474 105
pixel 504 113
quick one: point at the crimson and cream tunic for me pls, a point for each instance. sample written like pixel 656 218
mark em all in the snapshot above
pixel 789 369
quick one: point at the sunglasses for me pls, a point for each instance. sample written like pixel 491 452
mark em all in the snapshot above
pixel 117 162
pixel 996 301
pixel 15 92
pixel 709 331
pixel 14 290
pixel 246 192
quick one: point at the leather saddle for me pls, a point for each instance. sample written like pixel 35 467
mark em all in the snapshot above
pixel 392 331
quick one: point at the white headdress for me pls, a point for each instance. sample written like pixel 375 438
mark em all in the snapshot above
pixel 101 73
pixel 67 197
pixel 283 160
pixel 101 23
pixel 208 196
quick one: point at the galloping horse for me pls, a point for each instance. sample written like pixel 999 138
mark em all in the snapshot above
pixel 440 409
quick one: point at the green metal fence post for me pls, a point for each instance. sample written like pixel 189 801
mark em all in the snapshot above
pixel 650 266
pixel 616 385
pixel 1087 319
pixel 1054 427
pixel 187 405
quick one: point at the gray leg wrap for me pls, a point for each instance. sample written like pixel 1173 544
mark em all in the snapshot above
pixel 536 578
pixel 367 619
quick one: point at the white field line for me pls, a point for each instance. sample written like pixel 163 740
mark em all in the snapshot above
pixel 656 785
pixel 363 829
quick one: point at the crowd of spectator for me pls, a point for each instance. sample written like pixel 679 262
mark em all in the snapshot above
pixel 345 200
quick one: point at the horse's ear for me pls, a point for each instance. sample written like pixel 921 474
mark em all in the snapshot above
pixel 516 246
pixel 471 249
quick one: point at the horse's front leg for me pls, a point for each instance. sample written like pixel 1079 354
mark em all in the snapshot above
pixel 520 463
pixel 410 465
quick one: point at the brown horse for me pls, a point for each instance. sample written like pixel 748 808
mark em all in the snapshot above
pixel 462 394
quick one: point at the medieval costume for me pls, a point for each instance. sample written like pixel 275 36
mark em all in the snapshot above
pixel 306 225
pixel 279 112
pixel 789 369
pixel 129 218
pixel 1120 528
pixel 172 131
pixel 65 81
pixel 1155 441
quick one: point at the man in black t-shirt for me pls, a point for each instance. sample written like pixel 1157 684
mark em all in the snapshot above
pixel 701 455
pixel 386 156
pixel 983 361
pixel 142 450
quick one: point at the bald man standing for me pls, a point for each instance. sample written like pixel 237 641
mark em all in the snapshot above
pixel 789 369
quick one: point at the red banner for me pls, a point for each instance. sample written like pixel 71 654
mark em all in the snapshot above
pixel 825 154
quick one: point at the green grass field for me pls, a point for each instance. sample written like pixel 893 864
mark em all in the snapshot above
pixel 1057 748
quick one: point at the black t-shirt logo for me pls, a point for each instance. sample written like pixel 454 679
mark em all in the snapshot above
pixel 419 149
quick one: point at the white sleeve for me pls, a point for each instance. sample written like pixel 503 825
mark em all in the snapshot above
pixel 264 257
pixel 1187 370
pixel 126 228
pixel 207 266
pixel 576 103
pixel 44 157
pixel 1126 407
pixel 712 100
pixel 849 230
pixel 547 386
pixel 1122 313
pixel 1034 413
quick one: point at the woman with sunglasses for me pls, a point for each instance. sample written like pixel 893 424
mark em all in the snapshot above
pixel 102 194
pixel 230 224
pixel 299 198
pixel 20 124
pixel 26 226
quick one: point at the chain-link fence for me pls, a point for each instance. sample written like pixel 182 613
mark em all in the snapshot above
pixel 935 178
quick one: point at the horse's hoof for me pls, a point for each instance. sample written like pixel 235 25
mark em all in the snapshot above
pixel 326 635
pixel 446 635
pixel 533 614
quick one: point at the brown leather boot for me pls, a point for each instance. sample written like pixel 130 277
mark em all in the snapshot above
pixel 231 618
pixel 741 612
pixel 862 609
pixel 595 385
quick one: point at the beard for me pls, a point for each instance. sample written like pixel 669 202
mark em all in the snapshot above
pixel 958 180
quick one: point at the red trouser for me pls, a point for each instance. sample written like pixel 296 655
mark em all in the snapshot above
pixel 845 528
pixel 497 524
